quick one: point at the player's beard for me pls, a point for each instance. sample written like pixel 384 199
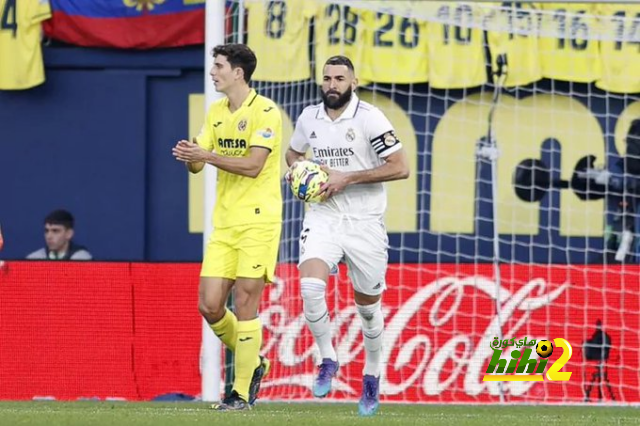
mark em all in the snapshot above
pixel 336 102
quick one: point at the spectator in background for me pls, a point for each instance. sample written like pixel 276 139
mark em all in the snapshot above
pixel 58 234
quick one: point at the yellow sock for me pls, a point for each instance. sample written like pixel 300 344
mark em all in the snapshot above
pixel 227 329
pixel 247 355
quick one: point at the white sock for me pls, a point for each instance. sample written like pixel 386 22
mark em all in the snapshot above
pixel 372 330
pixel 316 313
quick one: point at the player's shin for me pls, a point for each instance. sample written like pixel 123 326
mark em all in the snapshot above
pixel 372 330
pixel 227 329
pixel 247 353
pixel 316 313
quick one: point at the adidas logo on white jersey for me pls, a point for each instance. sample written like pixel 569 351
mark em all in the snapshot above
pixel 313 135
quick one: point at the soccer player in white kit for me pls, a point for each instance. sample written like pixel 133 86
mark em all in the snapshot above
pixel 357 145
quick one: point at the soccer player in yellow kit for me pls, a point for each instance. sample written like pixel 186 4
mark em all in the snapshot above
pixel 241 137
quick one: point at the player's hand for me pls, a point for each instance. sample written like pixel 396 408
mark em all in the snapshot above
pixel 288 176
pixel 337 182
pixel 189 152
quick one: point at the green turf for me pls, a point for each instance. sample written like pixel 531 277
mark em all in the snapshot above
pixel 275 414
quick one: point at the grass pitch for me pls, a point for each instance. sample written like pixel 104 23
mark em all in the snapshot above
pixel 307 414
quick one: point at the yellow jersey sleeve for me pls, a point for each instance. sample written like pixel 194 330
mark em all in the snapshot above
pixel 517 41
pixel 339 30
pixel 456 52
pixel 269 125
pixel 573 55
pixel 620 48
pixel 21 66
pixel 279 35
pixel 395 47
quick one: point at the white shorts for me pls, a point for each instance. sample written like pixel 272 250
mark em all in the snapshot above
pixel 362 244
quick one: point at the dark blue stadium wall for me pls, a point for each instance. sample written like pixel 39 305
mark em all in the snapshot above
pixel 96 138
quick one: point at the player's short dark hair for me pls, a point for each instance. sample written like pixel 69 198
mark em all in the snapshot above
pixel 238 55
pixel 340 60
pixel 60 217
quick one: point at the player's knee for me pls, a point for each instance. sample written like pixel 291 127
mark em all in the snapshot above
pixel 372 318
pixel 212 312
pixel 313 291
pixel 313 268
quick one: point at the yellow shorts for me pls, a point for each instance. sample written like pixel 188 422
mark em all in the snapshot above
pixel 242 251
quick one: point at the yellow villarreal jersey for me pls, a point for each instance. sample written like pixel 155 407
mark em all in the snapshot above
pixel 395 47
pixel 279 35
pixel 518 42
pixel 620 48
pixel 21 64
pixel 339 30
pixel 242 200
pixel 456 50
pixel 571 55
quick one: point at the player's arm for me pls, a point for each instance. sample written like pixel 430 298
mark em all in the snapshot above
pixel 249 166
pixel 291 156
pixel 261 144
pixel 195 167
pixel 204 140
pixel 260 147
pixel 387 147
pixel 192 166
pixel 395 167
pixel 298 145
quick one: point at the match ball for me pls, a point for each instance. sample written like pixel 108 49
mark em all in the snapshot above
pixel 544 348
pixel 305 180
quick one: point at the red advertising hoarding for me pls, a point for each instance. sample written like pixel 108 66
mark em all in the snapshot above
pixel 132 331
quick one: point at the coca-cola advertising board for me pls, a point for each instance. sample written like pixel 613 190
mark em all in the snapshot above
pixel 441 321
pixel 72 330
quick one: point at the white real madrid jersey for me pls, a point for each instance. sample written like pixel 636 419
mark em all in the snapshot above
pixel 357 140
